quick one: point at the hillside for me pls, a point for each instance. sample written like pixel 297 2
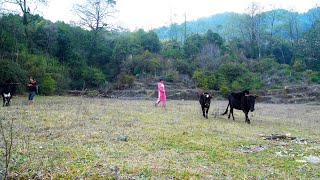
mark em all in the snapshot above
pixel 223 23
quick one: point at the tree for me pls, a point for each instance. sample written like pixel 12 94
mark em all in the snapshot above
pixel 11 37
pixel 272 20
pixel 193 45
pixel 309 46
pixel 45 37
pixel 171 49
pixel 24 6
pixel 213 38
pixel 292 27
pixel 149 41
pixel 250 28
pixel 314 16
pixel 95 14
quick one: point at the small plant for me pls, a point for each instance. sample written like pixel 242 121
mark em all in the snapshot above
pixel 6 131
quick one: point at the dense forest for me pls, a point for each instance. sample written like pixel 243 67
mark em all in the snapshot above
pixel 255 50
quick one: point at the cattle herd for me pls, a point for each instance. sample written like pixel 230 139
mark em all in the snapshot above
pixel 242 100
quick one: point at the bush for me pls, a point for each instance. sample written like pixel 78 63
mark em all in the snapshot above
pixel 172 75
pixel 225 90
pixel 93 77
pixel 124 81
pixel 201 78
pixel 48 85
pixel 312 76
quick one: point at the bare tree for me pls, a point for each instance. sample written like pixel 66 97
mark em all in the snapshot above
pixel 210 56
pixel 273 17
pixel 249 27
pixel 293 26
pixel 314 15
pixel 253 22
pixel 95 14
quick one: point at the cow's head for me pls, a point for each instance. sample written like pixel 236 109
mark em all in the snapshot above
pixel 7 98
pixel 207 99
pixel 251 101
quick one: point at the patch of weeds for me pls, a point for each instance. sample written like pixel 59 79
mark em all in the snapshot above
pixel 118 154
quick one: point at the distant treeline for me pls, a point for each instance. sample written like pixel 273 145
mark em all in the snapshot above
pixel 242 51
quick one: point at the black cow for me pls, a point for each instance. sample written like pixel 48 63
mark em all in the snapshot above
pixel 241 101
pixel 205 100
pixel 7 90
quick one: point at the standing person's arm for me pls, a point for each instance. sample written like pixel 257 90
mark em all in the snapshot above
pixel 36 87
pixel 161 87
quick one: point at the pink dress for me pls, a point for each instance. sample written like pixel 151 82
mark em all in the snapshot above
pixel 161 93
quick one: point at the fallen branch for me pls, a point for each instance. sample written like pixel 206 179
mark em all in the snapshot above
pixel 287 137
pixel 278 137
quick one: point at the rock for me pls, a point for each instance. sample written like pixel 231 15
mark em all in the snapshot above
pixel 312 159
pixel 123 137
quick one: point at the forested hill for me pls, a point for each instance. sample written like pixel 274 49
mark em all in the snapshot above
pixel 223 53
pixel 227 24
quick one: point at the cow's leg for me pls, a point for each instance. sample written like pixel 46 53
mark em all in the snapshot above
pixel 247 118
pixel 4 100
pixel 207 112
pixel 231 110
pixel 9 99
pixel 203 112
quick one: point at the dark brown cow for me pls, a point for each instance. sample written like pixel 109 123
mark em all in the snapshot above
pixel 241 101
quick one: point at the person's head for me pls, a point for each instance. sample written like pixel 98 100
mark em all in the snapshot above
pixel 161 79
pixel 31 79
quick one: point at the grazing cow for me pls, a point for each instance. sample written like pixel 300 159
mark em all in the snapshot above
pixel 205 100
pixel 241 101
pixel 7 90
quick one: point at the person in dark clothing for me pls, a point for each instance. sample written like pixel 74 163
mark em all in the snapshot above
pixel 33 89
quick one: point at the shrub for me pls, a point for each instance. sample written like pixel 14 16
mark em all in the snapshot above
pixel 93 77
pixel 124 81
pixel 172 75
pixel 225 90
pixel 201 78
pixel 48 85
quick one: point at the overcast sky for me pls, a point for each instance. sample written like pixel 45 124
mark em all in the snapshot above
pixel 150 14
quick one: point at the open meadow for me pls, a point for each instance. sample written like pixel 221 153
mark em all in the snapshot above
pixel 91 138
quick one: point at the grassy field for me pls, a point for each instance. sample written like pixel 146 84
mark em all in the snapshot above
pixel 87 138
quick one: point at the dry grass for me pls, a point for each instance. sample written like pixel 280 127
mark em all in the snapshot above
pixel 73 137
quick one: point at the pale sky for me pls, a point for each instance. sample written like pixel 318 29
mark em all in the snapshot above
pixel 148 14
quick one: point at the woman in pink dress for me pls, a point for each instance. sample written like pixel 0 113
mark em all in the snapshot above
pixel 161 93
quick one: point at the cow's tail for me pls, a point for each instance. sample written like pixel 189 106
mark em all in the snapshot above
pixel 226 110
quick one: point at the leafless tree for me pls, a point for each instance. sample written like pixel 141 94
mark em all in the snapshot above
pixel 253 22
pixel 95 14
pixel 273 17
pixel 314 16
pixel 210 56
pixel 293 27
